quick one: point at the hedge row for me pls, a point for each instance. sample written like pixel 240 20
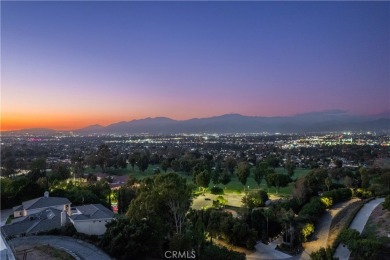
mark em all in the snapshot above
pixel 338 195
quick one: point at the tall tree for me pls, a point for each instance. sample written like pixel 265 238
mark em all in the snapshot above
pixel 364 176
pixel 165 165
pixel 203 179
pixel 290 167
pixel 260 172
pixel 216 174
pixel 9 166
pixel 273 161
pixel 255 199
pixel 143 162
pixel 103 155
pixel 328 182
pixel 230 164
pixel 225 177
pixel 77 161
pixel 243 172
pixel 165 198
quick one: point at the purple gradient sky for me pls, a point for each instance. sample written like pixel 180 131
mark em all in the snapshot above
pixel 70 64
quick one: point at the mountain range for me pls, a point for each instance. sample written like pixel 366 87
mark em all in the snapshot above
pixel 327 121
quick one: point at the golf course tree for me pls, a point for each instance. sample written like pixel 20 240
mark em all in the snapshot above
pixel 260 172
pixel 202 179
pixel 230 164
pixel 165 200
pixel 143 161
pixel 216 174
pixel 278 180
pixel 290 167
pixel 310 185
pixel 133 158
pixel 273 161
pixel 225 177
pixel 9 166
pixel 255 199
pixel 201 174
pixel 38 168
pixel 165 165
pixel 243 172
pixel 103 155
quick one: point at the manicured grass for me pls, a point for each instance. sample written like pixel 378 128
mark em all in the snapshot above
pixel 234 186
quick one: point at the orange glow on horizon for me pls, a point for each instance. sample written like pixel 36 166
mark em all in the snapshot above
pixel 68 121
pixel 56 122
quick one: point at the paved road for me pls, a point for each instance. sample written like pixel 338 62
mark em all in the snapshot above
pixel 264 251
pixel 76 247
pixel 358 223
pixel 320 237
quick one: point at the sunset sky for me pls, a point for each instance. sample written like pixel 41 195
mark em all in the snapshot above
pixel 67 65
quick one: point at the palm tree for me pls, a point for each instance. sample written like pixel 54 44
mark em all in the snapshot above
pixel 267 213
pixel 289 218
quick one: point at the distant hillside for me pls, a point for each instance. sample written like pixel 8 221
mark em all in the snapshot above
pixel 234 123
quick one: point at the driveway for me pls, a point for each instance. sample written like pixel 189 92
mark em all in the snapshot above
pixel 264 251
pixel 358 223
pixel 75 247
pixel 320 237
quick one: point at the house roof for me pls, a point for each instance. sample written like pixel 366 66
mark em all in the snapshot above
pixel 44 202
pixel 17 208
pixel 45 220
pixel 92 212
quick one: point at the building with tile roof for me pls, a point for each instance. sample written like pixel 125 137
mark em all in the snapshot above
pixel 47 213
pixel 91 219
pixel 45 220
pixel 37 205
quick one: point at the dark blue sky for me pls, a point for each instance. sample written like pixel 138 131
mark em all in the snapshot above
pixel 107 62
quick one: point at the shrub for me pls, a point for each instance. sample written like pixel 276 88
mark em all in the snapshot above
pixel 322 254
pixel 339 194
pixel 327 201
pixel 386 204
pixel 313 209
pixel 361 193
pixel 255 199
pixel 306 231
pixel 216 190
pixel 220 253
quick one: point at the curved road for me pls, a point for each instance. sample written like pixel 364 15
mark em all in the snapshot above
pixel 73 246
pixel 320 236
pixel 358 223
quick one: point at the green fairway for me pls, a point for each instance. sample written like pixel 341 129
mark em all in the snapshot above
pixel 234 186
